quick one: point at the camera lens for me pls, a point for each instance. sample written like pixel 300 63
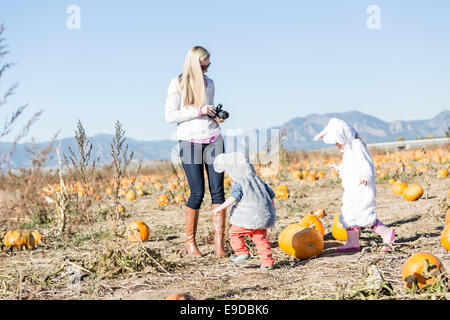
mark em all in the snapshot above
pixel 224 115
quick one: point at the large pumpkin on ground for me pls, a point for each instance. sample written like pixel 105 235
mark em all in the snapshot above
pixel 19 239
pixel 414 269
pixel 338 231
pixel 413 192
pixel 445 237
pixel 312 221
pixel 137 231
pixel 398 187
pixel 301 242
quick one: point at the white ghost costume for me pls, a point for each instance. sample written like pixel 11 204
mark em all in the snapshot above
pixel 255 209
pixel 358 201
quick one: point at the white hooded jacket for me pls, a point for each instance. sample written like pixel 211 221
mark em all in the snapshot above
pixel 358 201
pixel 255 209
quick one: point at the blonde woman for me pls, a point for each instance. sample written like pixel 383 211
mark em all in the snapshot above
pixel 190 104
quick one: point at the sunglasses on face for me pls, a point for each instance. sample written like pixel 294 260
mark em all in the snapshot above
pixel 204 67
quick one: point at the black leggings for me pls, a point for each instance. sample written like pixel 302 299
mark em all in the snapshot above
pixel 196 156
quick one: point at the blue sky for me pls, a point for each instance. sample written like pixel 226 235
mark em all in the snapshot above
pixel 271 61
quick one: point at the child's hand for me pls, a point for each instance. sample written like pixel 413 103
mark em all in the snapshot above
pixel 215 211
pixel 364 182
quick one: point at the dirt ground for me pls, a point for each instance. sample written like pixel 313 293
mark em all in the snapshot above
pixel 71 270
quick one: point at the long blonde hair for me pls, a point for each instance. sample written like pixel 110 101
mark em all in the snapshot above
pixel 358 137
pixel 191 80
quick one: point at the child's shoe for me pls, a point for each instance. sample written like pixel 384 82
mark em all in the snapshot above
pixel 240 258
pixel 265 267
pixel 352 241
pixel 386 233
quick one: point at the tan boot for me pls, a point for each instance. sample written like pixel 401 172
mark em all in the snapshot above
pixel 218 222
pixel 191 230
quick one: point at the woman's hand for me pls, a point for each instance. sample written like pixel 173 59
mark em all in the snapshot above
pixel 209 110
pixel 218 120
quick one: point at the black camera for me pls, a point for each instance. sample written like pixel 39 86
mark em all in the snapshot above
pixel 221 114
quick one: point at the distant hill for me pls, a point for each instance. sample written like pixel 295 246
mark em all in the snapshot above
pixel 299 135
pixel 301 131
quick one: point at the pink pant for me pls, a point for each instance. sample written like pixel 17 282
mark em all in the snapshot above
pixel 259 238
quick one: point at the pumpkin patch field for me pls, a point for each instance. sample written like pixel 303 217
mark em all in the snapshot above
pixel 122 237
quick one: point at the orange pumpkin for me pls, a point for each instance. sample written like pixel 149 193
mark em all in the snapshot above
pixel 179 296
pixel 338 231
pixel 296 175
pixel 163 200
pixel 109 191
pixel 227 182
pixel 398 187
pixel 391 180
pixel 413 269
pixel 413 192
pixel 19 239
pixel 334 174
pixel 37 237
pixel 179 199
pixel 140 192
pixel 300 242
pixel 81 193
pixel 447 217
pixel 137 231
pixel 130 195
pixel 319 213
pixel 158 186
pixel 445 237
pixel 172 186
pixel 281 192
pixel 442 173
pixel 312 221
pixel 320 175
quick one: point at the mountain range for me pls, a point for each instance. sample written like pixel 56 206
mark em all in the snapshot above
pixel 301 131
pixel 299 135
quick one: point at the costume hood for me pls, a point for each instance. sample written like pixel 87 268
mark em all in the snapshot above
pixel 236 164
pixel 337 131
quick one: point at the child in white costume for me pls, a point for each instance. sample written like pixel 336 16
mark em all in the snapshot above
pixel 358 180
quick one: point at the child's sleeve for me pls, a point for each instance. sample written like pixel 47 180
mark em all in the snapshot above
pixel 236 191
pixel 364 161
pixel 270 191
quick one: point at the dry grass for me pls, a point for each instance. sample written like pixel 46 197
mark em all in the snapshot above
pixel 113 268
